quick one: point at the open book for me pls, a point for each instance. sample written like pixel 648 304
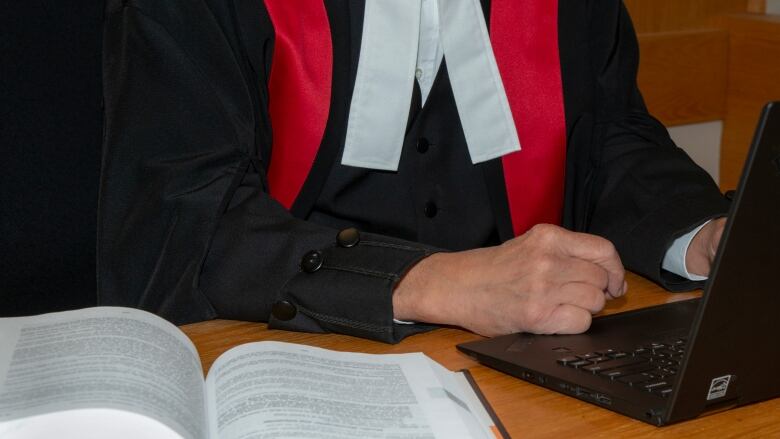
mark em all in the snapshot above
pixel 125 373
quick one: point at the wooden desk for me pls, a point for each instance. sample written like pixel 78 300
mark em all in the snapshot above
pixel 526 410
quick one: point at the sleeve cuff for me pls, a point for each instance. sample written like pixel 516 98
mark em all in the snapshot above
pixel 348 288
pixel 674 260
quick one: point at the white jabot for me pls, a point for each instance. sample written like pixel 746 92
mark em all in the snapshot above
pixel 407 38
pixel 429 50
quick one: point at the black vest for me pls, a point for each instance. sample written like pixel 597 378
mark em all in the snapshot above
pixel 437 196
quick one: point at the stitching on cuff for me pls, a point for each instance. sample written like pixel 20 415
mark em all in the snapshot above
pixel 390 245
pixel 379 274
pixel 344 322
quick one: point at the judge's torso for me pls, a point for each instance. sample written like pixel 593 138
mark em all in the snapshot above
pixel 437 196
pixel 191 149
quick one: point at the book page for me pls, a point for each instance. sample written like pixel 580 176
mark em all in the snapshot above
pixel 108 358
pixel 281 390
pixel 475 416
pixel 87 424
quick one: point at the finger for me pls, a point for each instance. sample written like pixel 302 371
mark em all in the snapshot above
pixel 580 270
pixel 568 319
pixel 609 296
pixel 581 295
pixel 599 251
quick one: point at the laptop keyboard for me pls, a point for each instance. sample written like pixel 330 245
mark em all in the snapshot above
pixel 650 367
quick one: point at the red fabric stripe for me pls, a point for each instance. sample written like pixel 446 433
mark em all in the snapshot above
pixel 524 35
pixel 299 92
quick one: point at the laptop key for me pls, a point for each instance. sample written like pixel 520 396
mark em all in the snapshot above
pixel 614 374
pixel 593 368
pixel 597 367
pixel 621 362
pixel 588 356
pixel 663 391
pixel 669 370
pixel 579 364
pixel 664 362
pixel 566 360
pixel 654 385
pixel 636 379
pixel 606 352
pixel 667 352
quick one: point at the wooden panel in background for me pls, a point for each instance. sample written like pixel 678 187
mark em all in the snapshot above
pixel 754 69
pixel 683 75
pixel 676 15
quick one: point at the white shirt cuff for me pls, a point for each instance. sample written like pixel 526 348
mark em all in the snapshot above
pixel 674 260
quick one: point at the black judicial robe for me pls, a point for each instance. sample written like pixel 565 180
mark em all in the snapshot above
pixel 186 227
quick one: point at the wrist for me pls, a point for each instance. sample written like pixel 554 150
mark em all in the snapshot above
pixel 417 296
pixel 701 252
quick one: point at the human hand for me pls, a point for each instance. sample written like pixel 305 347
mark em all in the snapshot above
pixel 549 280
pixel 701 251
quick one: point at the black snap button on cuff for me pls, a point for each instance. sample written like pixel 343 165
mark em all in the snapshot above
pixel 284 310
pixel 430 209
pixel 348 237
pixel 312 261
pixel 422 145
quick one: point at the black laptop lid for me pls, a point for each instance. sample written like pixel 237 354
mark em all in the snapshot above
pixel 734 355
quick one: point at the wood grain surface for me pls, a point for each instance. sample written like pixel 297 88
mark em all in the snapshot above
pixel 526 410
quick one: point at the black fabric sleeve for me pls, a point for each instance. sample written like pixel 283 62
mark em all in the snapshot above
pixel 647 191
pixel 186 228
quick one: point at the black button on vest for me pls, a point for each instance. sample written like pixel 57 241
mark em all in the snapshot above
pixel 348 237
pixel 430 209
pixel 422 145
pixel 284 310
pixel 312 261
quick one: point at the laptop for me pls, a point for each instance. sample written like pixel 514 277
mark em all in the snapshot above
pixel 678 361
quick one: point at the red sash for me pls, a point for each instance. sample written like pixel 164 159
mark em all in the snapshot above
pixel 299 92
pixel 524 35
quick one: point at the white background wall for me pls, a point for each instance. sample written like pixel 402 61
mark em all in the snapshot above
pixel 702 142
pixel 773 6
